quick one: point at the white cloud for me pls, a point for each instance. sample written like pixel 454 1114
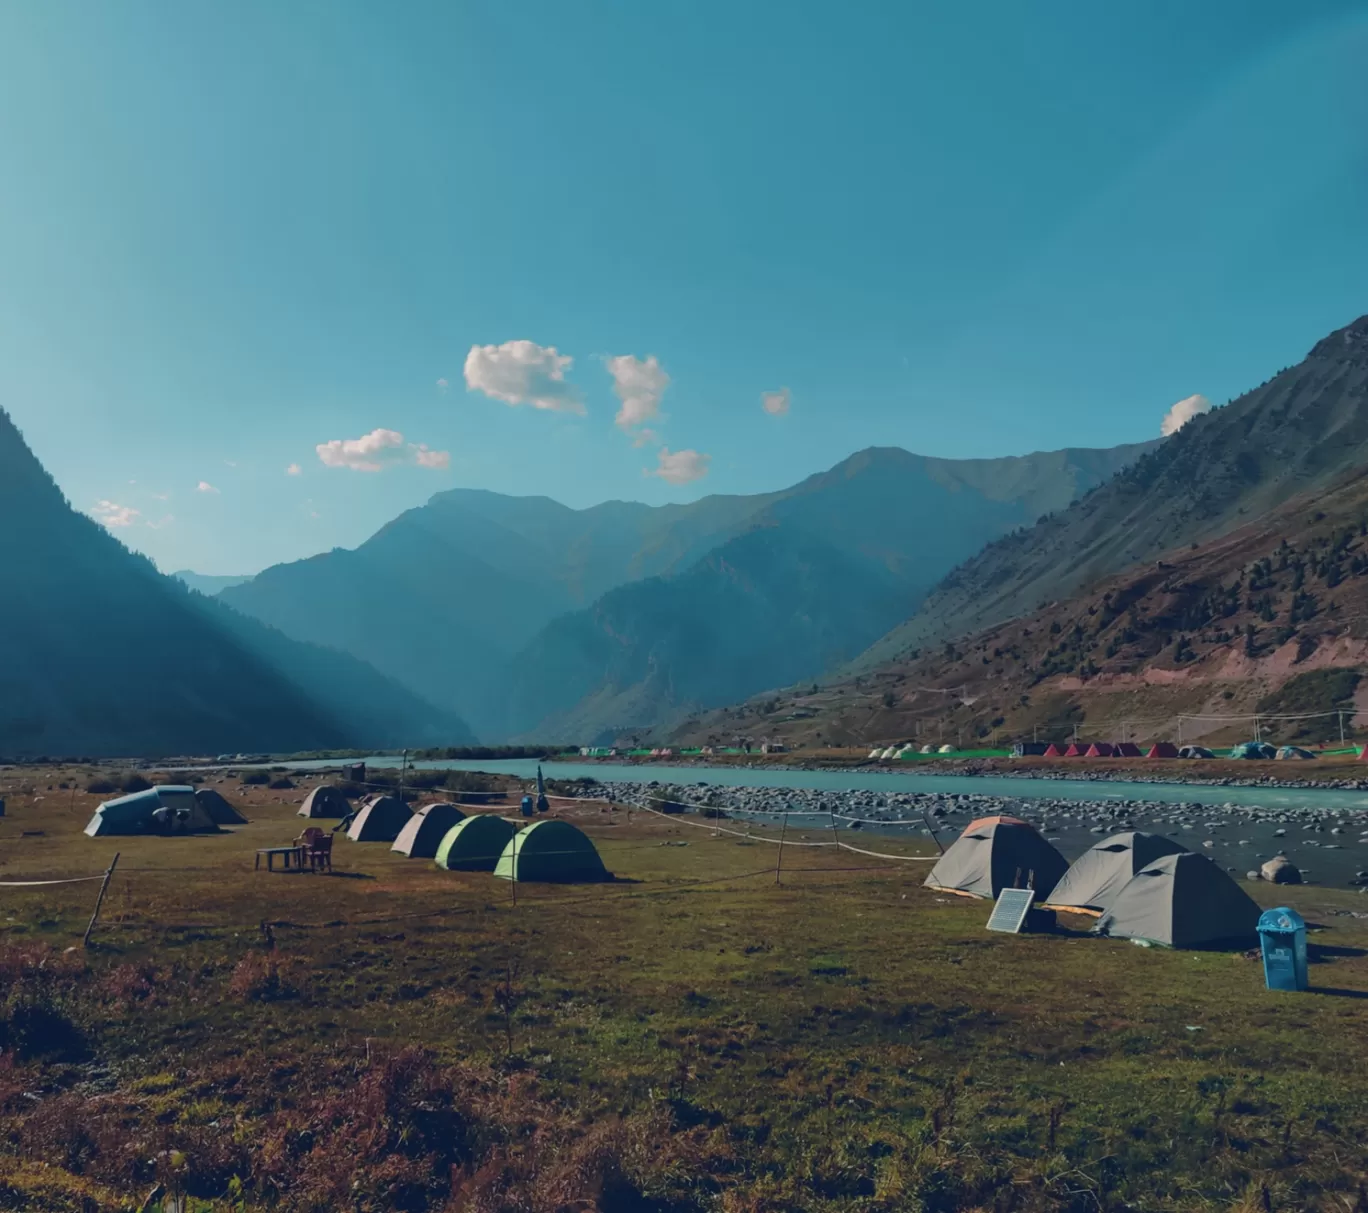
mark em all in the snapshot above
pixel 776 404
pixel 111 514
pixel 442 385
pixel 680 467
pixel 1183 412
pixel 205 487
pixel 294 470
pixel 378 450
pixel 523 372
pixel 645 437
pixel 639 384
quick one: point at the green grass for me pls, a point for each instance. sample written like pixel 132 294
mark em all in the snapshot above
pixel 691 1037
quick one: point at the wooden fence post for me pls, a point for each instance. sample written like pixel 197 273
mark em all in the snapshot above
pixel 778 867
pixel 99 901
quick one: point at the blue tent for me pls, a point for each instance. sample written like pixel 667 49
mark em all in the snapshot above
pixel 1253 749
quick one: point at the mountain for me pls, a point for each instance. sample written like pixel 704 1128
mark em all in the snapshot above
pixel 821 571
pixel 1268 619
pixel 208 584
pixel 1294 434
pixel 102 655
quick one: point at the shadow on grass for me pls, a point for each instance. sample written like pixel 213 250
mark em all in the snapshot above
pixel 1333 993
pixel 1317 952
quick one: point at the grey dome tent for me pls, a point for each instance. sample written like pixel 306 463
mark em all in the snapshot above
pixel 1099 874
pixel 996 853
pixel 1184 901
pixel 220 809
pixel 551 850
pixel 1253 749
pixel 166 809
pixel 380 820
pixel 325 801
pixel 423 832
pixel 475 844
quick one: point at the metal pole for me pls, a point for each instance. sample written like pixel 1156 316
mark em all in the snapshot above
pixel 99 901
pixel 1341 725
pixel 834 837
pixel 403 762
pixel 779 864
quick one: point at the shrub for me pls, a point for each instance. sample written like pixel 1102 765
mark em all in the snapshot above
pixel 135 783
pixel 256 778
pixel 102 786
pixel 284 783
pixel 256 978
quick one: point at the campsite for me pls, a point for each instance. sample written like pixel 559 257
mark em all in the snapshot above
pixel 285 1036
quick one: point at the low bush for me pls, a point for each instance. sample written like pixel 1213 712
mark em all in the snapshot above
pixel 256 778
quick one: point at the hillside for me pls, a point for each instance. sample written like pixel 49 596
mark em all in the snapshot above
pixel 208 584
pixel 100 654
pixel 716 599
pixel 1272 619
pixel 1294 434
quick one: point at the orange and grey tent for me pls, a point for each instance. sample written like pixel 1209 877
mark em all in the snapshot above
pixel 996 853
pixel 1053 751
pixel 1163 749
pixel 1099 749
pixel 1077 750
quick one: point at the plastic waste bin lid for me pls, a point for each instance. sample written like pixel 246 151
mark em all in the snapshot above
pixel 1281 920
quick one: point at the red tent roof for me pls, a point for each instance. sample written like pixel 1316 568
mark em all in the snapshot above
pixel 1077 750
pixel 1363 754
pixel 1163 749
pixel 1053 751
pixel 1099 749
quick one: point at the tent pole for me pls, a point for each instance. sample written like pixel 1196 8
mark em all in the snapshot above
pixel 779 863
pixel 99 901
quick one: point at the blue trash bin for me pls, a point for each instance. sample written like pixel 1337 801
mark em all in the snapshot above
pixel 1282 936
pixel 527 806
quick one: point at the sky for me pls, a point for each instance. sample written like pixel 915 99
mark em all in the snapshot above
pixel 272 274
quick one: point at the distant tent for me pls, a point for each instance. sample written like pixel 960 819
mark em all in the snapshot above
pixel 475 844
pixel 1363 754
pixel 996 853
pixel 1076 749
pixel 1099 874
pixel 1253 749
pixel 1163 749
pixel 380 821
pixel 1294 751
pixel 1125 749
pixel 1195 751
pixel 1029 749
pixel 1099 749
pixel 926 749
pixel 550 849
pixel 1183 900
pixel 325 801
pixel 947 749
pixel 876 753
pixel 1052 751
pixel 165 809
pixel 220 810
pixel 423 832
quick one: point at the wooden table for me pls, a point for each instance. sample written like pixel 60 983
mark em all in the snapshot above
pixel 286 854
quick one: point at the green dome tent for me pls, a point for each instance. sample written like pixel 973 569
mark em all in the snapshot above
pixel 219 808
pixel 475 844
pixel 550 850
pixel 380 820
pixel 423 832
pixel 325 801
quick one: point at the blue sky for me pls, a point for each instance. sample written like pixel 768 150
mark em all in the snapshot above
pixel 241 239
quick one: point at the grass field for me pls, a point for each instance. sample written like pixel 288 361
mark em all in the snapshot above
pixel 693 1036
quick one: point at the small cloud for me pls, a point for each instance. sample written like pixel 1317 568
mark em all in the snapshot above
pixel 442 385
pixel 205 487
pixel 294 470
pixel 1183 412
pixel 645 437
pixel 230 463
pixel 523 372
pixel 113 515
pixel 161 496
pixel 680 467
pixel 378 450
pixel 639 384
pixel 776 404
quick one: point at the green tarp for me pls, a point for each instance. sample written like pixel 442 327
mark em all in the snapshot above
pixel 551 850
pixel 475 844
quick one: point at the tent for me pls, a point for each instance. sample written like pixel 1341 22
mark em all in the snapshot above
pixel 1253 749
pixel 166 809
pixel 475 844
pixel 423 832
pixel 1363 754
pixel 325 801
pixel 1029 749
pixel 1294 751
pixel 996 853
pixel 1053 751
pixel 926 749
pixel 1125 749
pixel 379 821
pixel 946 749
pixel 1195 751
pixel 1163 749
pixel 1099 874
pixel 1076 750
pixel 220 810
pixel 1099 749
pixel 1184 901
pixel 550 849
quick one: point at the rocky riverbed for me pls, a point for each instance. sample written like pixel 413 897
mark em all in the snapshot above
pixel 1330 846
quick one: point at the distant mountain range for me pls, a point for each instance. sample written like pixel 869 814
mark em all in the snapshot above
pixel 208 584
pixel 533 620
pixel 102 655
